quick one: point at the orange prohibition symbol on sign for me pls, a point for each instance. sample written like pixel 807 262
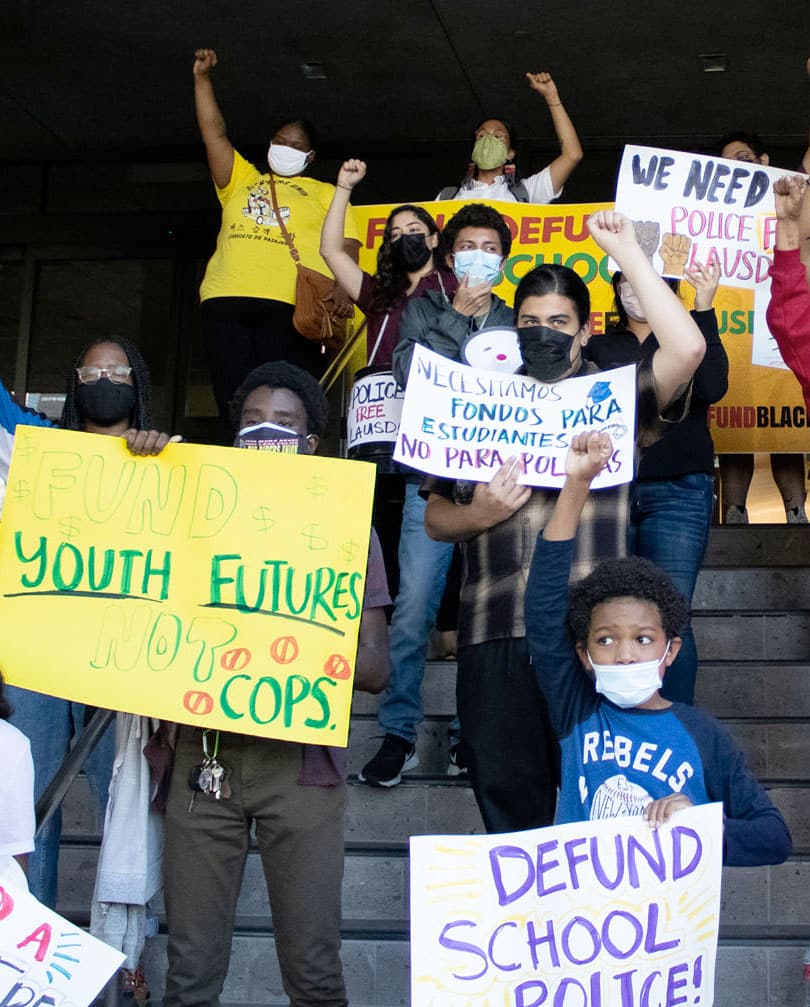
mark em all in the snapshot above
pixel 284 649
pixel 337 667
pixel 198 702
pixel 236 659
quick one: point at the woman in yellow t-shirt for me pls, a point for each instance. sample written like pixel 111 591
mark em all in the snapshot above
pixel 248 291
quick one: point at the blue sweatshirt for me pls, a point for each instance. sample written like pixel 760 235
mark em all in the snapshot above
pixel 615 761
pixel 12 414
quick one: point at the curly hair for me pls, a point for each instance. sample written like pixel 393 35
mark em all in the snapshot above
pixel 390 286
pixel 141 415
pixel 280 374
pixel 475 215
pixel 632 577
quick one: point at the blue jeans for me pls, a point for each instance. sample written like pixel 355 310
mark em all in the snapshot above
pixel 423 566
pixel 50 725
pixel 669 524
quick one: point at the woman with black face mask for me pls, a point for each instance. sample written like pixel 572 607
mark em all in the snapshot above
pixel 406 264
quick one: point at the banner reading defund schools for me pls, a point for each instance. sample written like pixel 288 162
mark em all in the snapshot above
pixel 608 913
pixel 211 586
pixel 764 408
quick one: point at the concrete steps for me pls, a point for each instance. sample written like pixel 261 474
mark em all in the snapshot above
pixel 752 623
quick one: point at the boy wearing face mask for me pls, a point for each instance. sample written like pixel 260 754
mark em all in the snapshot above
pixel 248 291
pixel 491 173
pixel 600 662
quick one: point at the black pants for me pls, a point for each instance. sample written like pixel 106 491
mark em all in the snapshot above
pixel 239 333
pixel 510 747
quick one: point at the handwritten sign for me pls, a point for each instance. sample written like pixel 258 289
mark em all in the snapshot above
pixel 461 422
pixel 597 914
pixel 44 959
pixel 701 209
pixel 211 586
pixel 375 409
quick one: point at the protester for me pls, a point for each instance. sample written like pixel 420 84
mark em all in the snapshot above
pixel 407 264
pixel 672 497
pixel 108 393
pixel 248 291
pixel 625 749
pixel 16 797
pixel 509 746
pixel 476 241
pixel 294 793
pixel 737 470
pixel 492 174
pixel 789 309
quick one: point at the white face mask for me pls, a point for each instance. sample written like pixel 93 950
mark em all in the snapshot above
pixel 631 303
pixel 480 266
pixel 286 160
pixel 628 685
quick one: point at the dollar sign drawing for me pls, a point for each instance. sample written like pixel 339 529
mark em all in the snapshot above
pixel 349 550
pixel 262 518
pixel 316 541
pixel 21 489
pixel 317 486
pixel 69 527
pixel 24 447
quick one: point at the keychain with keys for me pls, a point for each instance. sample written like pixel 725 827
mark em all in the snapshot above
pixel 209 778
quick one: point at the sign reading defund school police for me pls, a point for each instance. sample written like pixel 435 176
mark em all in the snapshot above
pixel 608 913
pixel 211 586
pixel 462 422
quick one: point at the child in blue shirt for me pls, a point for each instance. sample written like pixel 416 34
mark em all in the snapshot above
pixel 600 662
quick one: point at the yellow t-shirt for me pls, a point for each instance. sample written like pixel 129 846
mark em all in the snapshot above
pixel 252 258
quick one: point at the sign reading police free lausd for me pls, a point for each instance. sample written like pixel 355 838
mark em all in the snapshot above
pixel 690 208
pixel 211 586
pixel 44 959
pixel 462 422
pixel 608 913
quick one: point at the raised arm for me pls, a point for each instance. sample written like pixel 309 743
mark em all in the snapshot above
pixel 209 118
pixel 681 347
pixel 333 243
pixel 570 148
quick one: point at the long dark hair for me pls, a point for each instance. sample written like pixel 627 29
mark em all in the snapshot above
pixel 618 307
pixel 390 285
pixel 141 416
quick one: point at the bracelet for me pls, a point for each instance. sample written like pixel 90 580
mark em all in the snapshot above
pixel 348 188
pixel 554 104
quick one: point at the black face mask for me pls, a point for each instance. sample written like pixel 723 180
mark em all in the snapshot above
pixel 105 403
pixel 409 253
pixel 546 352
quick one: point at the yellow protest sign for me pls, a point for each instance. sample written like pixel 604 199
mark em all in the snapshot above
pixel 211 586
pixel 763 410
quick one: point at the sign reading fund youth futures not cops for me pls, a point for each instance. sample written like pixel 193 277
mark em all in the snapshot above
pixel 691 208
pixel 462 422
pixel 45 959
pixel 608 913
pixel 210 586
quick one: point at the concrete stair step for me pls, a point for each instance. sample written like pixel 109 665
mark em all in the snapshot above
pixel 376 893
pixel 752 636
pixel 758 546
pixel 378 975
pixel 746 588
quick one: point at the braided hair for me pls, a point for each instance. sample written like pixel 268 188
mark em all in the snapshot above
pixel 141 416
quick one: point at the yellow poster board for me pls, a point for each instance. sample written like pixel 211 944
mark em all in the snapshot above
pixel 763 409
pixel 210 586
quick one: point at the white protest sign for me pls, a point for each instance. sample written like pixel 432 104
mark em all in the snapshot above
pixel 375 407
pixel 609 913
pixel 45 959
pixel 462 422
pixel 691 208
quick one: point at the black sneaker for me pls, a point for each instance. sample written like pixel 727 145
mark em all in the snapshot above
pixel 456 764
pixel 396 755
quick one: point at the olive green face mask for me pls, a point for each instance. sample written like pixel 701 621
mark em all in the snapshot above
pixel 490 152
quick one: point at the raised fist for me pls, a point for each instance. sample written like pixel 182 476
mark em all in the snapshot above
pixel 674 252
pixel 204 61
pixel 647 234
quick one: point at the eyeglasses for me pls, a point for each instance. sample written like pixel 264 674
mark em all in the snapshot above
pixel 90 375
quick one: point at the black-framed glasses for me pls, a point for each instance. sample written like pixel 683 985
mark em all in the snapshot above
pixel 89 375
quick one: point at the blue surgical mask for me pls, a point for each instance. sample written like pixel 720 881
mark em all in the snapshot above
pixel 628 685
pixel 480 266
